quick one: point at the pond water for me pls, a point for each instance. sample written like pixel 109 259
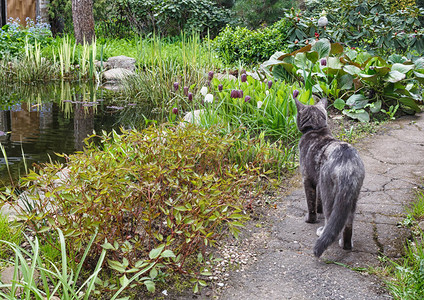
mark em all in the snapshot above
pixel 37 121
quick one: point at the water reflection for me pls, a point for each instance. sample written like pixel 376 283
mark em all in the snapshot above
pixel 39 121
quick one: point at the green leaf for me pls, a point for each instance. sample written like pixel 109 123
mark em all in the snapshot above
pixel 346 82
pixel 409 102
pixel 153 273
pixel 419 63
pixel 395 76
pixel 124 280
pixel 323 47
pixel 357 101
pixel 167 253
pixel 150 285
pixel 401 68
pixel 376 106
pixel 360 115
pixel 352 70
pixel 154 253
pixel 339 104
pixel 336 48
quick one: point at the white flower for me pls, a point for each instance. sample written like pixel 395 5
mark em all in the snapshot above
pixel 267 93
pixel 208 98
pixel 204 90
pixel 259 104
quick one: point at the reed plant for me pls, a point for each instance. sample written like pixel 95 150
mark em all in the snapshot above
pixel 66 54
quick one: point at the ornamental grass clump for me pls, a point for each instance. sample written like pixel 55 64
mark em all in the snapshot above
pixel 162 189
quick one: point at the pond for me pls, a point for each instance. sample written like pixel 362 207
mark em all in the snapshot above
pixel 38 121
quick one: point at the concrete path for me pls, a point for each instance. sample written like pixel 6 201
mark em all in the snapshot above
pixel 286 268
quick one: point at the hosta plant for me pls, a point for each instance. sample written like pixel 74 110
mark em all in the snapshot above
pixel 358 82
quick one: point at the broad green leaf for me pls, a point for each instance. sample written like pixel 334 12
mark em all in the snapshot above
pixel 401 68
pixel 345 82
pixel 382 70
pixel 419 76
pixel 336 48
pixel 360 115
pixel 396 58
pixel 334 63
pixel 323 47
pixel 395 76
pixel 357 101
pixel 409 102
pixel 339 104
pixel 352 70
pixel 372 78
pixel 312 56
pixel 419 63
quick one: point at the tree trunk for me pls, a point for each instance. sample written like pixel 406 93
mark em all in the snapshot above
pixel 82 16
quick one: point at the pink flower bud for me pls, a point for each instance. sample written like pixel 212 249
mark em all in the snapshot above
pixel 247 98
pixel 185 90
pixel 295 94
pixel 175 111
pixel 190 96
pixel 220 87
pixel 176 85
pixel 210 75
pixel 243 77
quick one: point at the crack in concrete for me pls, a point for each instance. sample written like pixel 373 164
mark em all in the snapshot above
pixel 379 245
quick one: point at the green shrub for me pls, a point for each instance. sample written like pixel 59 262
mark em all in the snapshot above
pixel 250 46
pixel 371 25
pixel 13 37
pixel 255 13
pixel 161 189
pixel 358 82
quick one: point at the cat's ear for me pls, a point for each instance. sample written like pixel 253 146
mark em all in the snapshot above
pixel 299 105
pixel 323 102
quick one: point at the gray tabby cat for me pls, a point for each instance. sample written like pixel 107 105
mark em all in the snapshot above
pixel 333 174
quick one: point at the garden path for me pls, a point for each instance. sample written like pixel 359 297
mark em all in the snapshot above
pixel 284 266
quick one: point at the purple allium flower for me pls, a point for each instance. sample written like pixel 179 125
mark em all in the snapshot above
pixel 185 90
pixel 247 98
pixel 240 92
pixel 323 62
pixel 295 94
pixel 220 87
pixel 243 77
pixel 190 96
pixel 176 85
pixel 210 75
pixel 175 111
pixel 269 84
pixel 234 94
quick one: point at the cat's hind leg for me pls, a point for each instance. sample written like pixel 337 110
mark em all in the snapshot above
pixel 311 198
pixel 346 240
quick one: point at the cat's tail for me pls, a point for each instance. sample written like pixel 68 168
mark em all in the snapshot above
pixel 342 208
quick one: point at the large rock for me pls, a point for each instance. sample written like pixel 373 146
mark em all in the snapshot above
pixel 116 74
pixel 121 62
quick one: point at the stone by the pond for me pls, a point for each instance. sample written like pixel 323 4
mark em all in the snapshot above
pixel 121 62
pixel 116 74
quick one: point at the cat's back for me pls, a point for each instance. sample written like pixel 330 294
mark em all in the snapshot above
pixel 342 159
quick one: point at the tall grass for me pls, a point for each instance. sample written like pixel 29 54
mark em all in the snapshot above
pixel 407 278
